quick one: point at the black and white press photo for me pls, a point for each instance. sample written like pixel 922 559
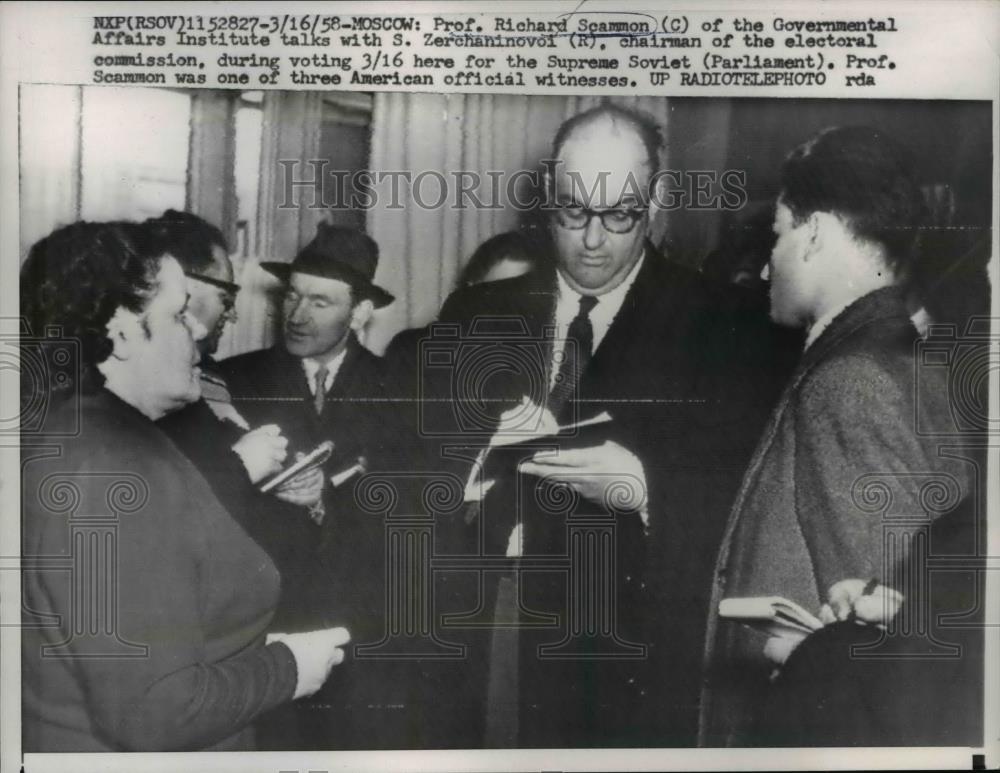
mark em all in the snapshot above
pixel 372 417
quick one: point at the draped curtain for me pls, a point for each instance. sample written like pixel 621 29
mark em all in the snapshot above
pixel 49 160
pixel 292 125
pixel 423 248
pixel 211 184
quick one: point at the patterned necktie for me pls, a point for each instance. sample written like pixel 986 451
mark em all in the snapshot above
pixel 576 354
pixel 319 396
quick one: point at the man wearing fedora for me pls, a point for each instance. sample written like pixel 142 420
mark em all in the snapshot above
pixel 320 383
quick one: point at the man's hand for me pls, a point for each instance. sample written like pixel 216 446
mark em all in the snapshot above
pixel 778 648
pixel 865 602
pixel 608 474
pixel 852 599
pixel 262 451
pixel 305 489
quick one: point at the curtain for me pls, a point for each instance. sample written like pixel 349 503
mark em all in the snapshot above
pixel 422 248
pixel 211 190
pixel 49 159
pixel 699 140
pixel 292 126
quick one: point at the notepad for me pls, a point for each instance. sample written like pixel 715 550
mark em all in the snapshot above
pixel 314 458
pixel 583 433
pixel 771 613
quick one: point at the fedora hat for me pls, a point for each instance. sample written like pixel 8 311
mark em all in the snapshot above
pixel 338 253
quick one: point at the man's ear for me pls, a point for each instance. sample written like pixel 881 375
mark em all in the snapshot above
pixel 122 330
pixel 816 225
pixel 361 314
pixel 660 199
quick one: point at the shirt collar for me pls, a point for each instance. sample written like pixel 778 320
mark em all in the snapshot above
pixel 311 367
pixel 611 300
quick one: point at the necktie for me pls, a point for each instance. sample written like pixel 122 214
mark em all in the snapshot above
pixel 319 396
pixel 576 354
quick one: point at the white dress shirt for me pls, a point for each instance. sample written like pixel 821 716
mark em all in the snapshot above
pixel 601 317
pixel 311 367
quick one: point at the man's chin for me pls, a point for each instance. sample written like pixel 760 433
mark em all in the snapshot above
pixel 194 388
pixel 297 348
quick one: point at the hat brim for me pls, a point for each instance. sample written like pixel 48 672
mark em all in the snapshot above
pixel 367 290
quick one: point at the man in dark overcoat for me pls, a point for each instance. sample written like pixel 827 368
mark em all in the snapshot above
pixel 607 649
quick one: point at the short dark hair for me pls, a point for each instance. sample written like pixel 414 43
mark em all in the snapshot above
pixel 509 245
pixel 641 123
pixel 864 177
pixel 78 276
pixel 187 237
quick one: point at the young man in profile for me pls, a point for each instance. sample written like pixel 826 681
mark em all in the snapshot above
pixel 836 495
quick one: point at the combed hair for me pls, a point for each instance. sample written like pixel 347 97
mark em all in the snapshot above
pixel 865 178
pixel 77 277
pixel 509 245
pixel 187 237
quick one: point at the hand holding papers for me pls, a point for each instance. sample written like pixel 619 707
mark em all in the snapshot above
pixel 863 602
pixel 788 623
pixel 304 489
pixel 772 614
pixel 584 460
pixel 303 464
pixel 591 470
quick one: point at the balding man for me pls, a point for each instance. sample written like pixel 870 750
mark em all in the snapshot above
pixel 616 328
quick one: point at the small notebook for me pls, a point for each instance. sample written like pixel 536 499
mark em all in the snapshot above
pixel 314 458
pixel 490 462
pixel 771 613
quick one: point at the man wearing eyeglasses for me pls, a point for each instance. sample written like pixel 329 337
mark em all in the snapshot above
pixel 626 331
pixel 212 433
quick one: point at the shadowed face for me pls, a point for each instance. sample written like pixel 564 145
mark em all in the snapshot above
pixel 789 270
pixel 211 304
pixel 602 167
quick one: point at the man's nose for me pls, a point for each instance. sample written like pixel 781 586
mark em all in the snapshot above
pixel 765 273
pixel 594 234
pixel 195 326
pixel 297 315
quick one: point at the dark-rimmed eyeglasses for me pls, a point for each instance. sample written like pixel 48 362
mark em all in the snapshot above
pixel 227 293
pixel 619 220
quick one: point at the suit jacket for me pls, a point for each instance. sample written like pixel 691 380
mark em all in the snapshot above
pixel 686 371
pixel 839 460
pixel 184 666
pixel 344 559
pixel 270 386
pixel 284 530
